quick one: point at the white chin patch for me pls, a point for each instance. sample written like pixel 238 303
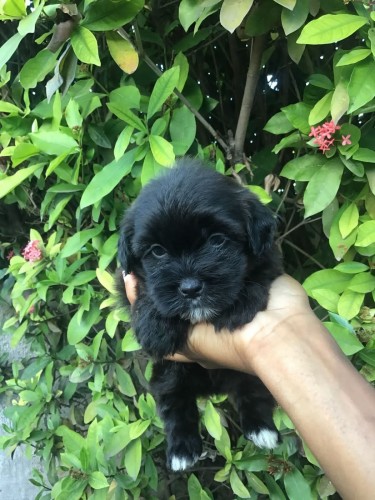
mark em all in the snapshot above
pixel 265 438
pixel 199 314
pixel 182 463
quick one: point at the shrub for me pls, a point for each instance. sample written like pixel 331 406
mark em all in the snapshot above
pixel 98 97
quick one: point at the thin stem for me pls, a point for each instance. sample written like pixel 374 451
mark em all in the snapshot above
pixel 304 253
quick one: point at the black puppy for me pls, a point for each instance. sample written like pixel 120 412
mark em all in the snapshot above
pixel 201 248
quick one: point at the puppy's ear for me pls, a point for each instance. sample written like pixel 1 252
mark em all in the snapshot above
pixel 260 226
pixel 125 251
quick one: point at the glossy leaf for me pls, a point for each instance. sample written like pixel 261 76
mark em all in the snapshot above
pixel 107 179
pixel 323 187
pixel 291 20
pixel 105 15
pixel 233 12
pixel 9 183
pixel 85 46
pixel 330 28
pixel 163 88
pixel 162 150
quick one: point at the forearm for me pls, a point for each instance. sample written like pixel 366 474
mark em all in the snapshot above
pixel 332 407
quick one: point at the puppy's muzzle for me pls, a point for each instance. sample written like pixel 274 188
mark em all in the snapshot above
pixel 190 288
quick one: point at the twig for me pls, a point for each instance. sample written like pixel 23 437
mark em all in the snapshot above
pixel 248 96
pixel 304 253
pixel 280 238
pixel 182 98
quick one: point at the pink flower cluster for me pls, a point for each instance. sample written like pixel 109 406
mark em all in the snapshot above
pixel 32 252
pixel 323 135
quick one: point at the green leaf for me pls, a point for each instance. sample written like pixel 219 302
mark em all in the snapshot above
pixel 321 81
pixel 27 24
pixel 8 48
pixel 361 87
pixel 163 88
pixel 125 383
pixel 340 102
pixel 76 243
pixel 107 179
pixel 288 4
pixel 323 187
pixel 105 15
pixel 326 298
pixel 129 342
pixel 340 245
pixel 326 279
pixel 365 154
pixel 331 28
pixel 292 140
pixel 366 234
pixel 9 183
pixel 237 485
pixel 35 367
pixel 274 490
pixel 362 283
pixel 127 96
pixel 291 20
pixel 127 116
pixel 351 267
pixel 37 68
pixel 349 220
pixel 353 56
pixel 278 124
pixel 296 486
pixel 321 109
pixel 54 142
pixel 80 324
pixel 233 12
pixel 182 129
pixel 133 458
pixel 347 341
pixel 182 63
pixel 162 150
pixel 350 304
pixel 298 115
pixel 212 421
pixel 85 46
pixel 97 480
pixel 122 142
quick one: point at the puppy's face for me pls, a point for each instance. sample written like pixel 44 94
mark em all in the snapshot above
pixel 194 266
pixel 192 238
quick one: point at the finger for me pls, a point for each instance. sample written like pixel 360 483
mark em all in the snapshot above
pixel 180 358
pixel 130 287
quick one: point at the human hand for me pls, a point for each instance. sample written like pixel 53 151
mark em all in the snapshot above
pixel 235 349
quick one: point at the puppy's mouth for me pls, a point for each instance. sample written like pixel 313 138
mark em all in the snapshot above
pixel 197 313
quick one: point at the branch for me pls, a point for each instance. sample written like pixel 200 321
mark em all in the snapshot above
pixel 182 98
pixel 252 77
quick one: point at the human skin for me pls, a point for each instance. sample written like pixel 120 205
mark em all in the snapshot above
pixel 288 348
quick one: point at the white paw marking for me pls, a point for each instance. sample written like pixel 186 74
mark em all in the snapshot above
pixel 264 438
pixel 182 463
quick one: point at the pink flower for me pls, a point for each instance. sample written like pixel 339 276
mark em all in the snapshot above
pixel 31 310
pixel 32 252
pixel 323 135
pixel 346 140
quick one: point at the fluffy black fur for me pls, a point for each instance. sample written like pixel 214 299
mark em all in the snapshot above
pixel 201 247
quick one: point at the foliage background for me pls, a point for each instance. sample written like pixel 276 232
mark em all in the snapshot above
pixel 97 97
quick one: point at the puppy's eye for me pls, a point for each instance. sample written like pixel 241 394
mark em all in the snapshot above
pixel 217 240
pixel 158 251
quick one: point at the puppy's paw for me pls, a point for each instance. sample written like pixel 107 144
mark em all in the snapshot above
pixel 264 438
pixel 182 455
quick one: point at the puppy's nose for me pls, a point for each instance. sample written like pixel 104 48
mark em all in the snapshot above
pixel 190 287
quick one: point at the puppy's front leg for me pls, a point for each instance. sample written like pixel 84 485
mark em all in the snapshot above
pixel 158 336
pixel 176 401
